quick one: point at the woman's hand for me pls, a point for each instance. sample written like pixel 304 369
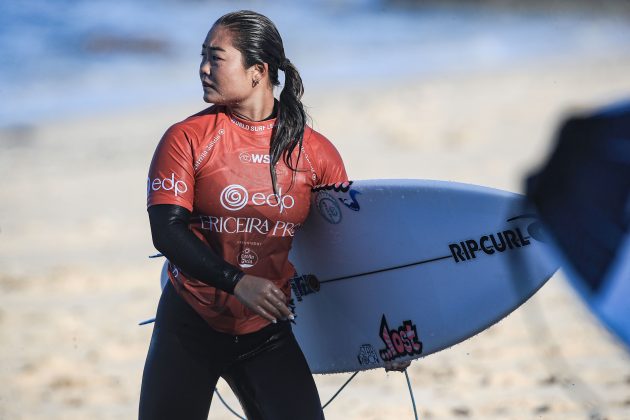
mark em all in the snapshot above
pixel 263 297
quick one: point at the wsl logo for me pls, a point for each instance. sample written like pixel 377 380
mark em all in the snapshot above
pixel 234 197
pixel 247 157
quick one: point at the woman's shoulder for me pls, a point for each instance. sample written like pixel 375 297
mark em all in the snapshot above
pixel 204 117
pixel 316 141
pixel 313 138
pixel 324 158
pixel 197 125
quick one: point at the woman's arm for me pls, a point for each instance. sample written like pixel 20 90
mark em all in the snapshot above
pixel 173 238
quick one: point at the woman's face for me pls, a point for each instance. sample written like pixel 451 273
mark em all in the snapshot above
pixel 224 79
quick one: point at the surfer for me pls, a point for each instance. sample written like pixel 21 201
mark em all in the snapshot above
pixel 227 189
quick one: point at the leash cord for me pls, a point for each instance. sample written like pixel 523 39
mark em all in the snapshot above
pixel 413 401
pixel 340 389
pixel 216 391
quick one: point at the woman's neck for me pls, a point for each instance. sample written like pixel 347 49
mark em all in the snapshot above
pixel 254 109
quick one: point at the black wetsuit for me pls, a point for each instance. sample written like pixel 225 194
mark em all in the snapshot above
pixel 265 369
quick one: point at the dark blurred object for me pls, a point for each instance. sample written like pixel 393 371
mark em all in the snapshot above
pixel 582 193
pixel 583 197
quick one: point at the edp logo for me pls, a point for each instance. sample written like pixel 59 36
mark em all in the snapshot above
pixel 234 197
pixel 167 184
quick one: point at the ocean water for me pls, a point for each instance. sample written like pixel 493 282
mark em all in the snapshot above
pixel 76 57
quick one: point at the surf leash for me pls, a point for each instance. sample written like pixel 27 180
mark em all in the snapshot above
pixel 413 401
pixel 340 389
pixel 216 391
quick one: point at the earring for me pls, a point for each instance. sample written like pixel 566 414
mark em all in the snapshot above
pixel 255 82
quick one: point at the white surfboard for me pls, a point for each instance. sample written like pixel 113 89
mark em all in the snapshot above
pixel 394 270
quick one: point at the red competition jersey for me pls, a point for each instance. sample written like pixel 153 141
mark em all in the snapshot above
pixel 217 166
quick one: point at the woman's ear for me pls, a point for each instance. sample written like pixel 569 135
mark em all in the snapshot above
pixel 259 72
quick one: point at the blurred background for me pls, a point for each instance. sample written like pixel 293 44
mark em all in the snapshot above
pixel 469 91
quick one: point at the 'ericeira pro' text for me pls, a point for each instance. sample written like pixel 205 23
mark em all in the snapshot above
pixel 489 244
pixel 247 225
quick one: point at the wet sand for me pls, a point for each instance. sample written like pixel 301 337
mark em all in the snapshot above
pixel 74 237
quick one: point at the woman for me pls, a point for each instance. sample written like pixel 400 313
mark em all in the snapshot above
pixel 227 189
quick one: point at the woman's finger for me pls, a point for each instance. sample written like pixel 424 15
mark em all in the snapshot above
pixel 284 310
pixel 262 312
pixel 278 304
pixel 278 293
pixel 271 309
pixel 276 297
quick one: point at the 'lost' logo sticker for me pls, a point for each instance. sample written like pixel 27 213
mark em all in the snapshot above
pixel 399 342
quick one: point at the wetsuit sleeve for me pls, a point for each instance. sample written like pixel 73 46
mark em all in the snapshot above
pixel 170 198
pixel 331 167
pixel 171 178
pixel 173 238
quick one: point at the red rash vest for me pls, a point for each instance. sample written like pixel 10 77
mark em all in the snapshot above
pixel 217 166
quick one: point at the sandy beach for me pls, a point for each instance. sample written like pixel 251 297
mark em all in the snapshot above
pixel 74 239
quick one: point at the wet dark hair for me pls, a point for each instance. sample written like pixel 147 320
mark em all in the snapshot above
pixel 258 40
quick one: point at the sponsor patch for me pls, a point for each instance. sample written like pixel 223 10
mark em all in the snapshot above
pixel 304 285
pixel 207 149
pixel 253 128
pixel 497 242
pixel 171 183
pixel 234 197
pixel 367 355
pixel 247 258
pixel 399 342
pixel 328 208
pixel 247 157
pixel 352 203
pixel 237 225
